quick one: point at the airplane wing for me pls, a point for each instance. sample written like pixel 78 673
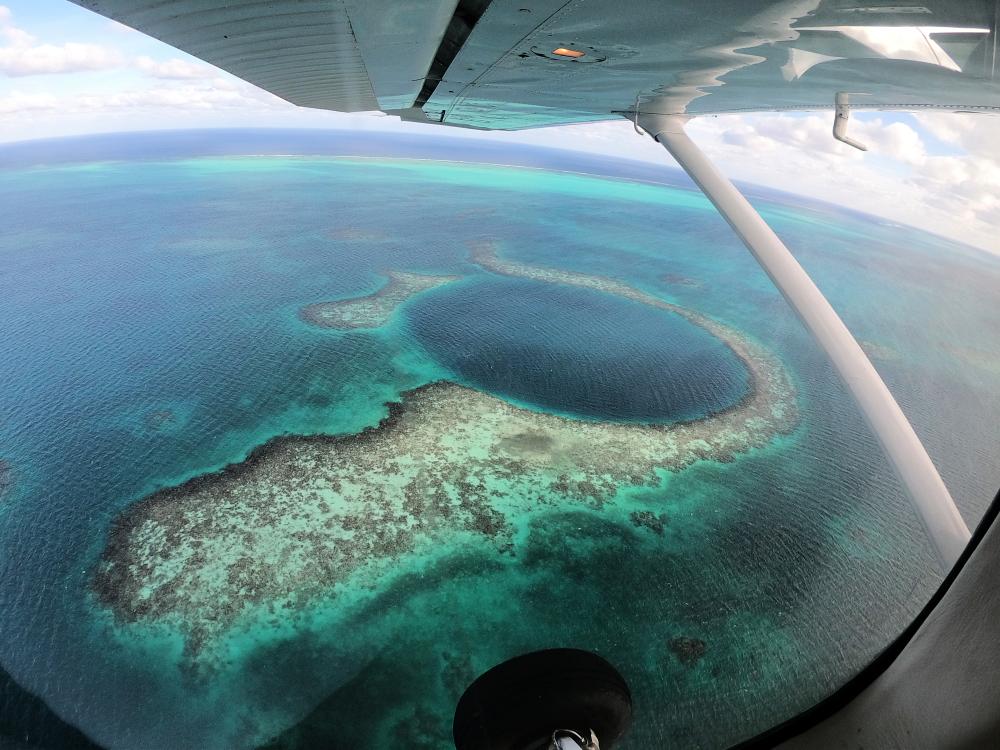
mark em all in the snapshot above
pixel 511 64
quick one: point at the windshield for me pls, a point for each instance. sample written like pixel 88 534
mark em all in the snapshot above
pixel 302 431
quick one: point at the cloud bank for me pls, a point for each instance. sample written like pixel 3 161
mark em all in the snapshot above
pixel 22 55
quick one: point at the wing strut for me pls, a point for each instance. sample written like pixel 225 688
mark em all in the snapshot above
pixel 930 497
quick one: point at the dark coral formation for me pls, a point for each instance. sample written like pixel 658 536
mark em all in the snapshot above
pixel 647 519
pixel 687 650
pixel 6 479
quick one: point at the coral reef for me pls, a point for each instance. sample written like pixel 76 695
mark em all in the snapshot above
pixel 687 650
pixel 373 310
pixel 448 468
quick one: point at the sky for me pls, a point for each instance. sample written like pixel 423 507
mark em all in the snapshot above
pixel 67 71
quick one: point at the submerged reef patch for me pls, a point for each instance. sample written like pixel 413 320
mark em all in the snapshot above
pixel 372 310
pixel 969 355
pixel 160 419
pixel 687 650
pixel 879 351
pixel 449 468
pixel 649 520
pixel 676 279
pixel 6 479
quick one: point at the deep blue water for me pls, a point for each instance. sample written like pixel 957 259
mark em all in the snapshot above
pixel 157 284
pixel 578 352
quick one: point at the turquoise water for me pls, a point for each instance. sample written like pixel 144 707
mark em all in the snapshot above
pixel 151 333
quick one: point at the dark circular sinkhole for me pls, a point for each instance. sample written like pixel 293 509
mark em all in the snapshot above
pixel 577 351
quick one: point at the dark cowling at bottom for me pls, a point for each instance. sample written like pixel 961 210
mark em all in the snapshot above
pixel 561 698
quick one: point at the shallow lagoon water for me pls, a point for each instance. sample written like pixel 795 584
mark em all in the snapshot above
pixel 152 334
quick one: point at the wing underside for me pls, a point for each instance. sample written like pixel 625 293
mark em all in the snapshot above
pixel 510 64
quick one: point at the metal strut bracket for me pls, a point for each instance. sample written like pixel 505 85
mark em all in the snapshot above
pixel 929 496
pixel 840 120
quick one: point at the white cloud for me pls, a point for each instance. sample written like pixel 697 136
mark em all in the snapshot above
pixel 178 98
pixel 18 102
pixel 72 57
pixel 23 56
pixel 174 68
pixel 972 177
pixel 812 133
pixel 217 94
pixel 955 195
pixel 945 126
pixel 13 36
pixel 897 140
pixel 974 133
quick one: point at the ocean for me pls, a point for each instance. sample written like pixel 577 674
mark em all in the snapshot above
pixel 566 403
